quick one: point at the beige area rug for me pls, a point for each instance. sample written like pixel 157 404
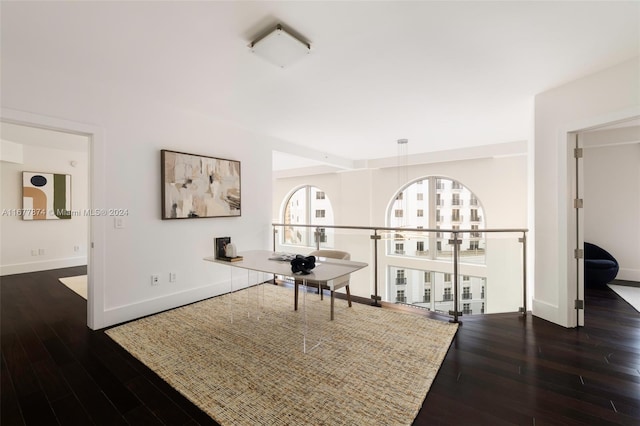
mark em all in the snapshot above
pixel 630 294
pixel 77 284
pixel 374 366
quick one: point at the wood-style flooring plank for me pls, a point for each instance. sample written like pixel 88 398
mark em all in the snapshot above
pixel 10 413
pixel 563 376
pixel 501 369
pixel 69 411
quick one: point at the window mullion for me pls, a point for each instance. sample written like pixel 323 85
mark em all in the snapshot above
pixel 432 217
pixel 309 213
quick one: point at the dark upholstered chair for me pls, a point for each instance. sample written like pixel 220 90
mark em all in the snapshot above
pixel 600 267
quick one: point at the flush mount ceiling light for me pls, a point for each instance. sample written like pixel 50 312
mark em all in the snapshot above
pixel 280 47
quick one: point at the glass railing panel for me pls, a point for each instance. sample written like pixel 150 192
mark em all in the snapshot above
pixel 411 243
pixel 360 246
pixel 490 277
pixel 503 291
pixel 472 247
pixel 424 288
pixel 490 274
pixel 300 236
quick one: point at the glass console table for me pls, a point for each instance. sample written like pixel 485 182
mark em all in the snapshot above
pixel 326 271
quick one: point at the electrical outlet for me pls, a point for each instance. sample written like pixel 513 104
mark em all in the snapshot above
pixel 76 248
pixel 40 252
pixel 155 279
pixel 34 252
pixel 172 277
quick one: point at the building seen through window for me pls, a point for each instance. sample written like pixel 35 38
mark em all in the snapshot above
pixel 438 203
pixel 435 203
pixel 307 205
pixel 444 205
pixel 434 291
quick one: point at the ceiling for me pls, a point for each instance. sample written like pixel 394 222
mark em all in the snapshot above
pixel 445 75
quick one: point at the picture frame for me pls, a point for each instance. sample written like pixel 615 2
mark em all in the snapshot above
pixel 199 186
pixel 46 196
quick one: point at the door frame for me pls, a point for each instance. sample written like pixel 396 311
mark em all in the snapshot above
pixel 97 224
pixel 574 178
pixel 577 215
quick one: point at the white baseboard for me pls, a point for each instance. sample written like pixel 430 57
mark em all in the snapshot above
pixel 627 274
pixel 44 265
pixel 120 314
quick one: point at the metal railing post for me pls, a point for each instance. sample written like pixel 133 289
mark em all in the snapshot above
pixel 275 239
pixel 523 240
pixel 317 236
pixel 275 236
pixel 456 253
pixel 375 298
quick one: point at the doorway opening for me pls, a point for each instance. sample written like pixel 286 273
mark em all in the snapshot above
pixel 86 141
pixel 606 197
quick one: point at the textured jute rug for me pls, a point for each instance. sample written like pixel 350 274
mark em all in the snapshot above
pixel 374 366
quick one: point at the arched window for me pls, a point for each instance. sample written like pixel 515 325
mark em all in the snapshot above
pixel 307 205
pixel 436 203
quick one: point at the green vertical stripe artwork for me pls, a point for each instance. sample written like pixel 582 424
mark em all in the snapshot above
pixel 60 196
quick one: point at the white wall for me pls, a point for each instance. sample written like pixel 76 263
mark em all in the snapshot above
pixel 612 195
pixel 148 245
pixel 57 239
pixel 134 125
pixel 11 152
pixel 607 96
pixel 362 197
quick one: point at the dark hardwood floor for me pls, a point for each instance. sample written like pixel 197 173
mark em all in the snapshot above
pixel 504 370
pixel 500 369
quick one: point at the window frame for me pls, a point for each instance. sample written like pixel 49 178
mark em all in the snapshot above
pixel 307 197
pixel 446 204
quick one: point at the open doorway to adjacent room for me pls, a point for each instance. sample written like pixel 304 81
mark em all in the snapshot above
pixel 607 199
pixel 54 241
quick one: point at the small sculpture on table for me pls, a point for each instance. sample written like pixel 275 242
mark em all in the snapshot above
pixel 225 250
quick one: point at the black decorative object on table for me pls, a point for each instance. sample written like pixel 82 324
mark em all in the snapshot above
pixel 303 264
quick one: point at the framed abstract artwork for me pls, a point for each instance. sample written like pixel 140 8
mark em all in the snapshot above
pixel 197 186
pixel 46 196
